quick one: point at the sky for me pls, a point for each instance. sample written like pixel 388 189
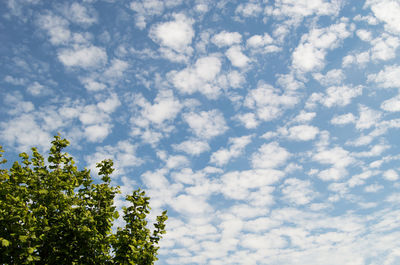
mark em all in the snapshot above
pixel 267 128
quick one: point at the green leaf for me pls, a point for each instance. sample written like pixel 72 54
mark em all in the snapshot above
pixel 5 242
pixel 23 239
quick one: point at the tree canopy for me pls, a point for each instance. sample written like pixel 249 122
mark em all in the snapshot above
pixel 54 213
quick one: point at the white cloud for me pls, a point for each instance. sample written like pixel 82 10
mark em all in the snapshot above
pixel 361 141
pixel 176 35
pixel 91 114
pixel 391 175
pixel 110 105
pixel 177 161
pixel 123 154
pixel 359 60
pixel 202 8
pixel 25 132
pixel 262 44
pixel 15 80
pixel 303 132
pixel 270 155
pixel 348 60
pixel 159 188
pixel 245 211
pixel 376 150
pixel 235 79
pixel 236 148
pixel 151 121
pixel 236 57
pixel 362 58
pixel 164 108
pixel 249 120
pixel 364 35
pixel 368 117
pixel 56 27
pixel 393 197
pixel 392 104
pixel 80 14
pixel 206 124
pixel 94 121
pixel 115 70
pixel 187 176
pixel 261 224
pixel 92 85
pixel 298 191
pixel 257 41
pixel 388 77
pixel 202 77
pixel 333 77
pixel 16 7
pixel 304 117
pixel 173 161
pixel 84 57
pixel 359 179
pixel 192 147
pixel 16 105
pixel 281 31
pixel 336 156
pixel 289 82
pixel 334 174
pixel 149 8
pixel 371 20
pixel 146 8
pixel 190 205
pixel 37 89
pixel 340 95
pixel 373 188
pixel 249 9
pixel 97 132
pixel 148 135
pixel 240 185
pixel 299 9
pixel 310 53
pixel 268 103
pixel 307 58
pixel 384 48
pixel 225 38
pixel 343 119
pixel 262 197
pixel 386 11
pixel 263 243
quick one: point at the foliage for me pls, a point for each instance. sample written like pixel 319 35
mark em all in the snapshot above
pixel 56 214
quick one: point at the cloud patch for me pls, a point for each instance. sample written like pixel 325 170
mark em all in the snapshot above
pixel 201 77
pixel 270 155
pixel 83 57
pixel 386 11
pixel 310 54
pixel 206 124
pixel 268 102
pixel 225 38
pixel 174 37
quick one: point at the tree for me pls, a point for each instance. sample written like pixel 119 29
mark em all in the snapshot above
pixel 56 214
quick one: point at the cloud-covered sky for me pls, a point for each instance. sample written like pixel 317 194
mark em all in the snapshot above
pixel 267 128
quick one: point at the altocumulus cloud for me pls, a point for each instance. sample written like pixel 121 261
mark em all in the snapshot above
pixel 267 129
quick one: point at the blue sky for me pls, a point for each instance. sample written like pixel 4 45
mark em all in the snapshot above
pixel 268 129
